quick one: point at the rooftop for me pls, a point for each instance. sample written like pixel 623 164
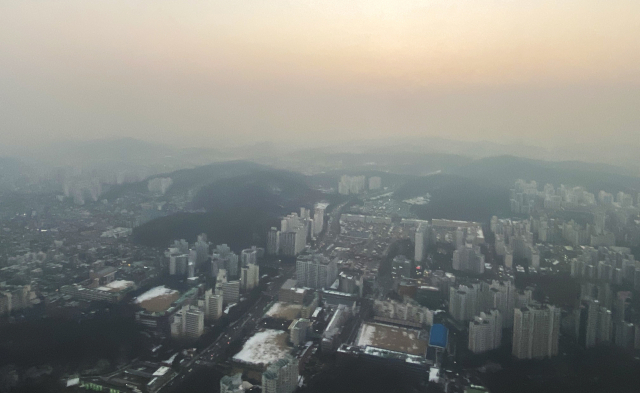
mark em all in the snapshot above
pixel 117 286
pixel 284 310
pixel 157 299
pixel 392 338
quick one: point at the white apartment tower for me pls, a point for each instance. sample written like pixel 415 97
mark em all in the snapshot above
pixel 231 292
pixel 468 258
pixel 463 302
pixel 193 323
pixel 536 329
pixel 316 271
pixel 249 277
pixel 318 218
pixel 485 331
pixel 273 241
pixel 212 305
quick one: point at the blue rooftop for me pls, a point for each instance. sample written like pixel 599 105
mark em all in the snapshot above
pixel 438 336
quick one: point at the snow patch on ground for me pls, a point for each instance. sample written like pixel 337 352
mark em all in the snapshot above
pixel 117 285
pixel 284 310
pixel 366 335
pixel 264 347
pixel 154 293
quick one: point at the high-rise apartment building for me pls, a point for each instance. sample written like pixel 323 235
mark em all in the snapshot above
pixel 224 258
pixel 231 292
pixel 232 384
pixel 593 323
pixel 351 185
pixel 536 330
pixel 485 331
pixel 419 243
pixel 463 302
pixel 273 241
pixel 468 258
pixel 188 323
pixel 193 323
pixel 298 331
pixel 202 249
pixel 281 376
pixel 212 305
pixel 502 296
pixel 249 277
pixel 318 218
pixel 315 271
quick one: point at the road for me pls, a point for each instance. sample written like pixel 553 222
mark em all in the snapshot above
pixel 333 228
pixel 215 352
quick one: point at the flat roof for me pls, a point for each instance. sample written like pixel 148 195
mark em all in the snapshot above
pixel 392 338
pixel 438 336
pixel 117 286
pixel 284 310
pixel 289 284
pixel 157 299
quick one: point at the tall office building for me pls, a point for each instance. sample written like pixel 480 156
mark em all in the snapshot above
pixel 536 330
pixel 281 376
pixel 485 331
pixel 316 271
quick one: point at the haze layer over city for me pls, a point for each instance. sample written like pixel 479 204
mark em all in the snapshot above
pixel 320 196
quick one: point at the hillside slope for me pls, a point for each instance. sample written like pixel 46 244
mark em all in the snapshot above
pixel 239 210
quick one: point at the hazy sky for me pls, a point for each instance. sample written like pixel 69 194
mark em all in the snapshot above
pixel 201 72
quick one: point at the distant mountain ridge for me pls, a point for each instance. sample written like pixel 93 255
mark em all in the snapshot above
pixel 191 178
